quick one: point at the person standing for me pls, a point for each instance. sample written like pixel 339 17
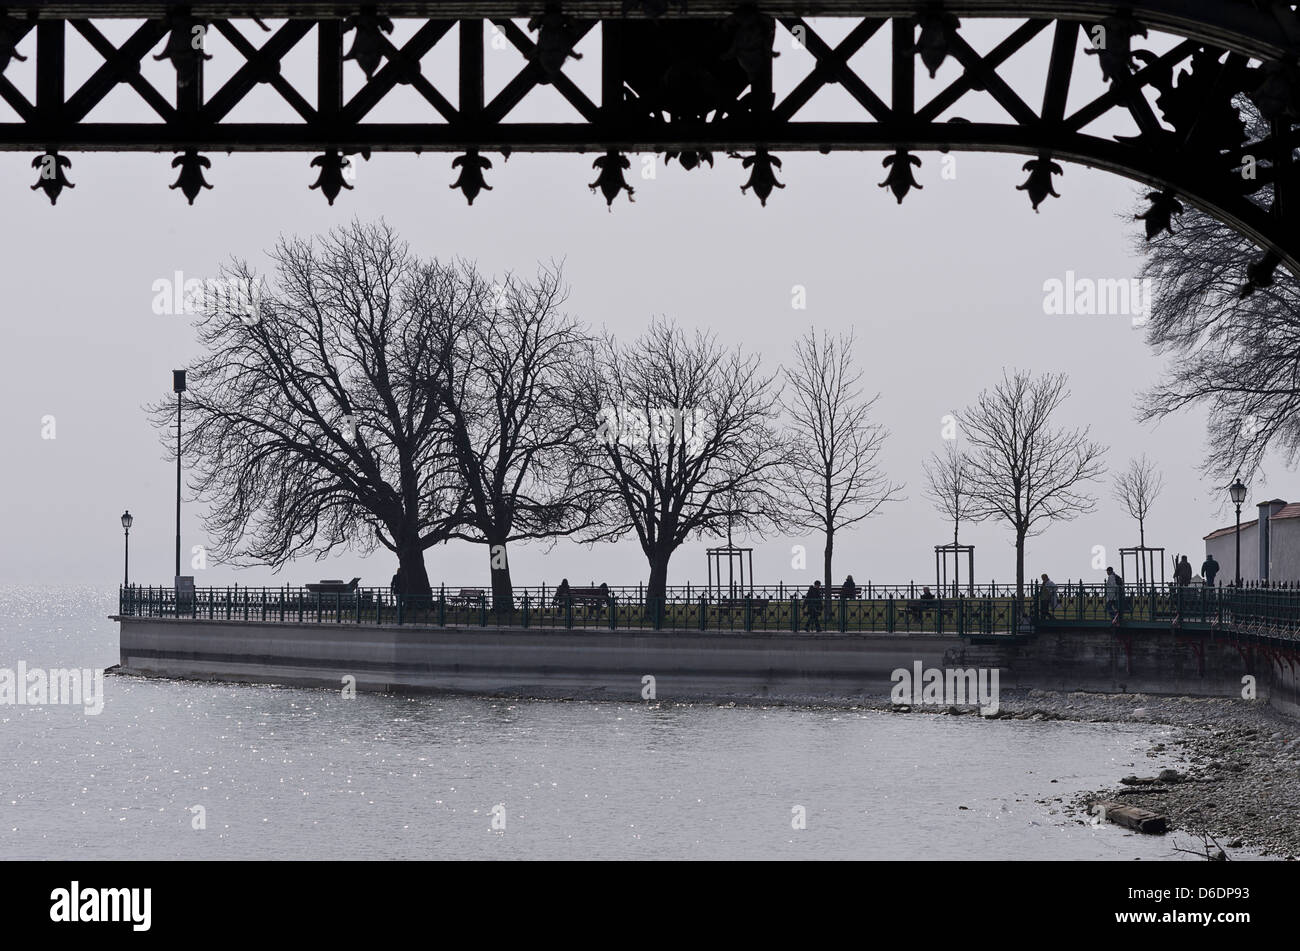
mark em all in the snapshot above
pixel 1183 572
pixel 1210 569
pixel 812 603
pixel 850 589
pixel 1048 598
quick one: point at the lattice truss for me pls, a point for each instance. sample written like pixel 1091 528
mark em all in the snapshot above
pixel 692 85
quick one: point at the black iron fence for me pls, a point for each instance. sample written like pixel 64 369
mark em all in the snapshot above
pixel 586 608
pixel 1274 611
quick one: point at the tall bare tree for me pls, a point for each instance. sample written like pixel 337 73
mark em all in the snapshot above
pixel 1023 470
pixel 1137 488
pixel 1235 355
pixel 311 422
pixel 833 478
pixel 507 410
pixel 683 441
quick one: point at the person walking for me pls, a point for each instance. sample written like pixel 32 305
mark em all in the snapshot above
pixel 395 586
pixel 1183 572
pixel 812 603
pixel 1114 591
pixel 1048 598
pixel 1210 569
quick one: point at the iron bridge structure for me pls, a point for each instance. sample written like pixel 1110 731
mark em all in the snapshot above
pixel 692 80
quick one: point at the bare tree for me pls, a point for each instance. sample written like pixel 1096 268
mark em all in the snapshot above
pixel 1137 488
pixel 1023 470
pixel 683 444
pixel 833 478
pixel 1235 355
pixel 950 487
pixel 506 408
pixel 310 419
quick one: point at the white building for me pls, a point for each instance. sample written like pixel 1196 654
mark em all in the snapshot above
pixel 1270 545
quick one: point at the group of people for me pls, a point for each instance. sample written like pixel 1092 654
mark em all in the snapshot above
pixel 816 594
pixel 1049 598
pixel 1183 571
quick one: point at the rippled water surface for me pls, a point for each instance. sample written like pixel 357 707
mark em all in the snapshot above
pixel 292 773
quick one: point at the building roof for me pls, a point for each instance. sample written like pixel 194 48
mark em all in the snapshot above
pixel 1291 511
pixel 1219 533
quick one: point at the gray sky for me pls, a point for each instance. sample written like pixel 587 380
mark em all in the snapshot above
pixel 943 292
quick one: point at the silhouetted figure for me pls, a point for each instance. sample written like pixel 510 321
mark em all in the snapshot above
pixel 917 607
pixel 850 590
pixel 1048 598
pixel 1183 572
pixel 812 603
pixel 1114 591
pixel 1209 568
pixel 395 586
pixel 562 591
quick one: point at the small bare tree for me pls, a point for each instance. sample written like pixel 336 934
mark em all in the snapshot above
pixel 833 478
pixel 1137 488
pixel 683 441
pixel 950 487
pixel 1023 470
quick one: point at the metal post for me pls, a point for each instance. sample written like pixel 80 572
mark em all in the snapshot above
pixel 126 558
pixel 1238 544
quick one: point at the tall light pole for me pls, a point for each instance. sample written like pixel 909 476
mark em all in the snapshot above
pixel 126 548
pixel 1237 492
pixel 178 387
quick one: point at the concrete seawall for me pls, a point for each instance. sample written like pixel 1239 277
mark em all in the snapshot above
pixel 689 665
pixel 533 663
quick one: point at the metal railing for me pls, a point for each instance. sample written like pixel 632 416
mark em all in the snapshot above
pixel 1271 611
pixel 954 616
pixel 1274 611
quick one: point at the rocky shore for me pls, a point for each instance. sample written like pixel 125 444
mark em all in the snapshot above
pixel 1228 777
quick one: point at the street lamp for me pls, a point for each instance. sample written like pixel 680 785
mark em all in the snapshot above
pixel 1237 492
pixel 178 387
pixel 126 549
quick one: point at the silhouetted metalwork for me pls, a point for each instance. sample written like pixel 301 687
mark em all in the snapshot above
pixel 693 80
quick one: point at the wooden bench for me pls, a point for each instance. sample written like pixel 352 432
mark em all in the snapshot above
pixel 467 597
pixel 584 598
pixel 739 604
pixel 334 586
pixel 918 606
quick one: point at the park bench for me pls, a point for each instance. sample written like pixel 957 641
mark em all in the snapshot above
pixel 917 607
pixel 336 593
pixel 334 586
pixel 467 597
pixel 584 598
pixel 739 604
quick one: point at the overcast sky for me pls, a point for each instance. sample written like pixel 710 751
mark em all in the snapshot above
pixel 944 291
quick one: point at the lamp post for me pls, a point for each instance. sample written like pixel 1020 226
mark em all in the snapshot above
pixel 1237 492
pixel 178 387
pixel 126 548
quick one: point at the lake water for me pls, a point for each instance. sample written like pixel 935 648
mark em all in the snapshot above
pixel 292 773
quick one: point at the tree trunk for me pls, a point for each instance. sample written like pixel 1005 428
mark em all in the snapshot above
pixel 1020 564
pixel 658 585
pixel 503 592
pixel 414 578
pixel 826 579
